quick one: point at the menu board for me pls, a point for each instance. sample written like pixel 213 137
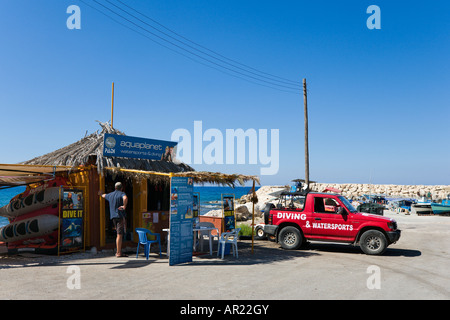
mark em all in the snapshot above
pixel 181 220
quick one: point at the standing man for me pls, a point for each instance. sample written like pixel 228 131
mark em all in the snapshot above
pixel 118 201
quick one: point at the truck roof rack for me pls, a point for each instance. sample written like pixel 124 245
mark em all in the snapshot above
pixel 295 193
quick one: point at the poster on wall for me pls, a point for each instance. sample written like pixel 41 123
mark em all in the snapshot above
pixel 71 216
pixel 196 205
pixel 228 212
pixel 149 219
pixel 156 221
pixel 181 220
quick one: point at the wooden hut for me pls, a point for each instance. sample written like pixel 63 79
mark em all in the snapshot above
pixel 146 182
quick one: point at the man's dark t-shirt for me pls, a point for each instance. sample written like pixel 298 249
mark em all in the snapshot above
pixel 115 200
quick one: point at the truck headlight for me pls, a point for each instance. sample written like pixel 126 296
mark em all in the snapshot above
pixel 392 225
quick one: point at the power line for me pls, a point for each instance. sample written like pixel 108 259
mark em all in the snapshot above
pixel 284 80
pixel 241 73
pixel 227 67
pixel 184 55
pixel 205 53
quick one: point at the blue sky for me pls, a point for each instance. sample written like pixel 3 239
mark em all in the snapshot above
pixel 378 99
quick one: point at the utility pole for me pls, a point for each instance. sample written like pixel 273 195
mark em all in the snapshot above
pixel 253 214
pixel 112 105
pixel 306 134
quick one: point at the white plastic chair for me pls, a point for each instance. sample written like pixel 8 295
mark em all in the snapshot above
pixel 206 233
pixel 229 237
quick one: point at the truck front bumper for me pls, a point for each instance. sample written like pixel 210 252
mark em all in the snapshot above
pixel 394 236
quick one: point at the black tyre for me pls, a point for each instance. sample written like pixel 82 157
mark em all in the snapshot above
pixel 267 209
pixel 373 242
pixel 259 233
pixel 290 238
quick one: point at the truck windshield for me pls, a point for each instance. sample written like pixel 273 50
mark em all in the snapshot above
pixel 347 204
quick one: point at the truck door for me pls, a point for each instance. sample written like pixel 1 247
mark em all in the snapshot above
pixel 328 223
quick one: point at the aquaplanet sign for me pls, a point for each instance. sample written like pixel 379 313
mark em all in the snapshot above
pixel 141 148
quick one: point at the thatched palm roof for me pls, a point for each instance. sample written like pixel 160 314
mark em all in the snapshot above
pixel 89 150
pixel 201 177
pixel 218 177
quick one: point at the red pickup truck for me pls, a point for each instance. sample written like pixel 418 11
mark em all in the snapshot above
pixel 311 216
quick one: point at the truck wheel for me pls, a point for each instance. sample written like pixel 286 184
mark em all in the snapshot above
pixel 290 238
pixel 373 242
pixel 259 233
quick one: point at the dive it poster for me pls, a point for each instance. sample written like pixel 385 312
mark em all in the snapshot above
pixel 71 227
pixel 228 212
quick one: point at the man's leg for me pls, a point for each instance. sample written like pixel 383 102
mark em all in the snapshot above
pixel 119 240
pixel 120 229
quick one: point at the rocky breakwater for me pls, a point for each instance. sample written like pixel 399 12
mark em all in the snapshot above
pixel 244 205
pixel 354 190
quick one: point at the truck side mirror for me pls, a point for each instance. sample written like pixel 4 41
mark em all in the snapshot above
pixel 341 211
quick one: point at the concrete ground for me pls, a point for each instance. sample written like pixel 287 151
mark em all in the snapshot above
pixel 417 267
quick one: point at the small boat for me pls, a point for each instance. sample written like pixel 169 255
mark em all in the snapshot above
pixel 29 228
pixel 442 208
pixel 422 206
pixel 31 202
pixel 400 204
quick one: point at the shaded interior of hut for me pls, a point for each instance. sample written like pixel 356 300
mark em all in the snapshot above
pixel 110 232
pixel 157 198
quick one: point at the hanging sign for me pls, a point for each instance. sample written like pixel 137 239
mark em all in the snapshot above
pixel 228 212
pixel 181 220
pixel 115 145
pixel 72 220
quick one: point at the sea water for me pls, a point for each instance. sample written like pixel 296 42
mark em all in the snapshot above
pixel 5 196
pixel 210 197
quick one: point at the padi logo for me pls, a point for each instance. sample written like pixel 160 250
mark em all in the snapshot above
pixel 141 145
pixel 110 142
